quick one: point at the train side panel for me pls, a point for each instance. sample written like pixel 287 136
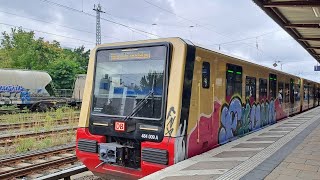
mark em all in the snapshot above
pixel 219 113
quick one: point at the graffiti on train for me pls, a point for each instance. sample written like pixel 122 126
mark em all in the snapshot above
pixel 11 88
pixel 238 119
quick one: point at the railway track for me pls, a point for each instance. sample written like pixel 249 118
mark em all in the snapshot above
pixel 9 139
pixel 37 115
pixel 5 127
pixel 33 162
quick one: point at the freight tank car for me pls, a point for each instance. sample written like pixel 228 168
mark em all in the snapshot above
pixel 150 104
pixel 31 89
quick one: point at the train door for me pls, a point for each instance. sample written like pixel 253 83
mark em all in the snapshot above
pixel 308 95
pixel 291 89
pixel 314 96
pixel 286 98
pixel 318 95
pixel 202 126
pixel 206 106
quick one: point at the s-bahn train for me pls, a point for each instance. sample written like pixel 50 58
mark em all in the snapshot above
pixel 150 104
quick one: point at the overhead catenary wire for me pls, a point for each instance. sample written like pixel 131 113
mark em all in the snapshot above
pixel 247 38
pixel 156 35
pixel 146 32
pixel 108 20
pixel 45 32
pixel 204 27
pixel 64 26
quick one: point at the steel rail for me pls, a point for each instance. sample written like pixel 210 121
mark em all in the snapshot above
pixel 8 139
pixel 65 174
pixel 39 115
pixel 23 171
pixel 12 126
pixel 37 153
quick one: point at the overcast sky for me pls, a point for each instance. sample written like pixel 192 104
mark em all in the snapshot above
pixel 205 22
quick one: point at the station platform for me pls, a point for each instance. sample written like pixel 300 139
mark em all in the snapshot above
pixel 289 149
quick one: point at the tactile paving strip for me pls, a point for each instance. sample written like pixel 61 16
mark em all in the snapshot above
pixel 247 166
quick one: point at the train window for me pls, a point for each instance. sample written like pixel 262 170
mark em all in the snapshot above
pixel 291 89
pixel 272 86
pixel 262 89
pixel 286 93
pixel 318 96
pixel 296 92
pixel 305 92
pixel 311 92
pixel 251 88
pixel 234 81
pixel 280 92
pixel 205 75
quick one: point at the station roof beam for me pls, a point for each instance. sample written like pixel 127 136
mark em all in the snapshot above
pixel 300 18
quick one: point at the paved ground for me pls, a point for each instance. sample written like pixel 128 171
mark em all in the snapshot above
pixel 289 149
pixel 303 162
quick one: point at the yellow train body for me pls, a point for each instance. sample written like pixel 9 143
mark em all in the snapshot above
pixel 209 99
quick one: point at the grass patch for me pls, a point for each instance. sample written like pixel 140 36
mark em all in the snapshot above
pixel 63 112
pixel 24 144
pixel 21 145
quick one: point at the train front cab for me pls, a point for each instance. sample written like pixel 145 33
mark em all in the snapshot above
pixel 116 140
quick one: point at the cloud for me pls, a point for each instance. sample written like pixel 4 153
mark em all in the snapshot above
pixel 205 22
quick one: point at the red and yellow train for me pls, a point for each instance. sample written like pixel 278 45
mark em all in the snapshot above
pixel 150 104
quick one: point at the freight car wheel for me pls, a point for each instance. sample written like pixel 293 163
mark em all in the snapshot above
pixel 42 107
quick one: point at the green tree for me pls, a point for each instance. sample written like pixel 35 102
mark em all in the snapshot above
pixel 20 49
pixel 4 59
pixel 25 52
pixel 63 72
pixel 83 58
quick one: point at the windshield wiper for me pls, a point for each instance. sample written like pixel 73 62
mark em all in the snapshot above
pixel 141 104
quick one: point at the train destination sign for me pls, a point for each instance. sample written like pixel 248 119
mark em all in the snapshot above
pixel 130 55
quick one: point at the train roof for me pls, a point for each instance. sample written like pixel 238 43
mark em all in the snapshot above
pixel 248 62
pixel 199 46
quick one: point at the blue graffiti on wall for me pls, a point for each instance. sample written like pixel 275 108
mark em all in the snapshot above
pixel 238 119
pixel 229 119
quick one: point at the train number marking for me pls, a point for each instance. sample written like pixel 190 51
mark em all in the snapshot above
pixel 120 126
pixel 149 136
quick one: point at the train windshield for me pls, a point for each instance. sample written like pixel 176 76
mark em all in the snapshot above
pixel 130 82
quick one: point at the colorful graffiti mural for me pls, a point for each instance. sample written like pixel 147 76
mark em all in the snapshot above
pixel 229 121
pixel 237 119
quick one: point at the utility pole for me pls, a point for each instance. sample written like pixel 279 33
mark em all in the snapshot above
pixel 98 26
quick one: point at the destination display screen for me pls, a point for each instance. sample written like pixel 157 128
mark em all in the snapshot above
pixel 130 55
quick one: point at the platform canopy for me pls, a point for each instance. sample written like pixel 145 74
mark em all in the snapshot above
pixel 300 18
